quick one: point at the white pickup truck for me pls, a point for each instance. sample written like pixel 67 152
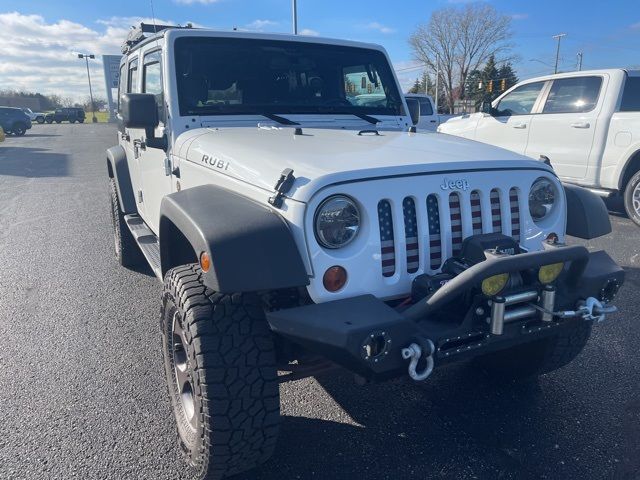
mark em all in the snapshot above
pixel 586 123
pixel 429 118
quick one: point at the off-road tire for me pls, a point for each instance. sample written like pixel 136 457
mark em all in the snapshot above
pixel 49 120
pixel 536 358
pixel 632 198
pixel 81 120
pixel 18 129
pixel 226 348
pixel 58 121
pixel 127 251
pixel 72 121
pixel 40 119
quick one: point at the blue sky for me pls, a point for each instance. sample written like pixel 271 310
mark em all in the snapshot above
pixel 607 33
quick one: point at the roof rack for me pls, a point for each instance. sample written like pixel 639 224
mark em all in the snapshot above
pixel 137 34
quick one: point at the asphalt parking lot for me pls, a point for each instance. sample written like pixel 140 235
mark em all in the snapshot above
pixel 82 386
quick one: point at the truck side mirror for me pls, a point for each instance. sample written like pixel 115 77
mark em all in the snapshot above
pixel 140 110
pixel 414 109
pixel 486 108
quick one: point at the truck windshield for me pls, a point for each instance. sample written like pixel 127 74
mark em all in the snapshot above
pixel 232 76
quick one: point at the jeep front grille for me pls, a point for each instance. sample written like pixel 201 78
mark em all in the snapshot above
pixel 434 228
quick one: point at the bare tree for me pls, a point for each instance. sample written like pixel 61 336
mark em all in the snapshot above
pixel 460 40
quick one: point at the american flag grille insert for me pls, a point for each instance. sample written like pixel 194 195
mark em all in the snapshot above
pixel 411 234
pixel 456 223
pixel 387 248
pixel 444 224
pixel 496 215
pixel 515 214
pixel 476 213
pixel 435 239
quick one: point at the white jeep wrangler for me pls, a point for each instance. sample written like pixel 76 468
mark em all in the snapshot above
pixel 292 222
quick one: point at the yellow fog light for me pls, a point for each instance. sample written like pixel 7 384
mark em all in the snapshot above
pixel 548 273
pixel 494 285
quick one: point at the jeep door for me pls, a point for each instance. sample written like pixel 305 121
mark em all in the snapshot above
pixel 130 84
pixel 153 162
pixel 508 124
pixel 565 127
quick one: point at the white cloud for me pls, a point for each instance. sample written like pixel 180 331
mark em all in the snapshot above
pixel 379 27
pixel 309 32
pixel 39 56
pixel 192 2
pixel 260 25
pixel 520 16
pixel 635 26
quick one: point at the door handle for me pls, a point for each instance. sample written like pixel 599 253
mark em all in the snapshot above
pixel 520 125
pixel 580 125
pixel 432 121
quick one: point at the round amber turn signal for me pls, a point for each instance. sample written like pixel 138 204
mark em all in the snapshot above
pixel 205 262
pixel 334 278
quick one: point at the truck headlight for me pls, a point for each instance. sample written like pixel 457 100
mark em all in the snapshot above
pixel 337 221
pixel 542 199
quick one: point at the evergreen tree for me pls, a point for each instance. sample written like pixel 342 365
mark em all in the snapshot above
pixel 506 72
pixel 416 87
pixel 490 80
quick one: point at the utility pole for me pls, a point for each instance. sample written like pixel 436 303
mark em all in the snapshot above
pixel 86 57
pixel 579 61
pixel 294 8
pixel 437 80
pixel 558 37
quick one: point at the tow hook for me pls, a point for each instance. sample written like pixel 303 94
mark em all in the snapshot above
pixel 415 352
pixel 591 309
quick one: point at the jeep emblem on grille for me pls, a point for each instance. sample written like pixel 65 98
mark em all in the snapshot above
pixel 460 184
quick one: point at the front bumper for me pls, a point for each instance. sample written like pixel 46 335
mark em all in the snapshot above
pixel 367 336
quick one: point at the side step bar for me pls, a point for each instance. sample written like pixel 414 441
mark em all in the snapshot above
pixel 146 240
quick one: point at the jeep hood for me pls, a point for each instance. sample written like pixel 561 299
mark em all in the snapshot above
pixel 321 157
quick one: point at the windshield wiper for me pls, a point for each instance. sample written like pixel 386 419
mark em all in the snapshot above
pixel 279 119
pixel 367 118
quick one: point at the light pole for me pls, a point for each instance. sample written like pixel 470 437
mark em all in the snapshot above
pixel 559 37
pixel 294 8
pixel 86 57
pixel 579 61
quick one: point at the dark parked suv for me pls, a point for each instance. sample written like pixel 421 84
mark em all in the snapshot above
pixel 14 120
pixel 71 115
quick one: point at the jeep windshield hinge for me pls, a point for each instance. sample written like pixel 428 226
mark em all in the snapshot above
pixel 283 185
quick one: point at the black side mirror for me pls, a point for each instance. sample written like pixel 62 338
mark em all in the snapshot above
pixel 486 108
pixel 140 110
pixel 414 109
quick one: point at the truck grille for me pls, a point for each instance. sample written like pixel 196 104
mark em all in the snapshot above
pixel 432 232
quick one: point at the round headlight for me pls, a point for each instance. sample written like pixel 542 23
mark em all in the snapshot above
pixel 337 221
pixel 542 199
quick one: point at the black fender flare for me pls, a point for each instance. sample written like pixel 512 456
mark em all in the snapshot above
pixel 250 245
pixel 119 168
pixel 587 215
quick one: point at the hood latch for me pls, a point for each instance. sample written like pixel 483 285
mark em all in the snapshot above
pixel 283 185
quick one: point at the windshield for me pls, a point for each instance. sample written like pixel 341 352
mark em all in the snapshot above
pixel 226 76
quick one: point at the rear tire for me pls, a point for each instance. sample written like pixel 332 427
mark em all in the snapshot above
pixel 49 120
pixel 18 129
pixel 220 366
pixel 81 120
pixel 536 358
pixel 40 119
pixel 632 198
pixel 72 121
pixel 127 251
